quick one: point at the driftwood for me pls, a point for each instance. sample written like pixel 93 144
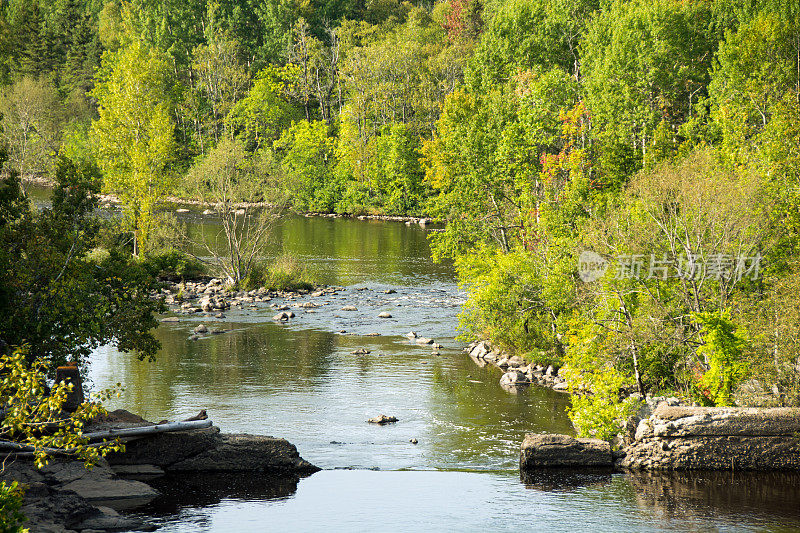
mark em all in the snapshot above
pixel 22 449
pixel 147 430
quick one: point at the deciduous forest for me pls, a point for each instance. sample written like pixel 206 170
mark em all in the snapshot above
pixel 662 136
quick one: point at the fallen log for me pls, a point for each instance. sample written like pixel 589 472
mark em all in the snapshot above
pixel 148 430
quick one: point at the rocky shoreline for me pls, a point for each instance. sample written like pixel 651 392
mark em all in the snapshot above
pixel 663 435
pixel 517 372
pixel 674 437
pixel 64 496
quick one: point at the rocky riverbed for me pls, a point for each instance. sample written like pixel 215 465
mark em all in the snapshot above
pixel 65 496
pixel 517 372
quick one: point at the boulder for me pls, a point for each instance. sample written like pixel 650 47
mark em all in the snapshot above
pixel 382 419
pixel 349 308
pixel 247 453
pixel 676 421
pixel 514 377
pixel 479 350
pixel 385 315
pixel 544 451
pixel 715 438
pixel 201 329
pixel 207 450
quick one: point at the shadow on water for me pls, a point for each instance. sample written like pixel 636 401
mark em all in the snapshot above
pixel 565 479
pixel 179 491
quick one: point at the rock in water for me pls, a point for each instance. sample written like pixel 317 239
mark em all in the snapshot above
pixel 360 351
pixel 543 451
pixel 349 308
pixel 201 329
pixel 382 419
pixel 411 334
pixel 385 315
pixel 424 340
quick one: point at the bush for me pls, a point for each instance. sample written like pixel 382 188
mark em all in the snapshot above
pixel 601 414
pixel 174 265
pixel 10 504
pixel 723 347
pixel 286 273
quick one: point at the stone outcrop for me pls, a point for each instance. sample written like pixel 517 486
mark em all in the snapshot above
pixel 545 451
pixel 207 450
pixel 718 438
pixel 65 496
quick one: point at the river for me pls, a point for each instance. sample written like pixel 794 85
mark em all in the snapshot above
pixel 300 381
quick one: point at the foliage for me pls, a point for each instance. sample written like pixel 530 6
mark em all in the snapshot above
pixel 173 264
pixel 33 415
pixel 11 518
pixel 723 346
pixel 601 414
pixel 57 297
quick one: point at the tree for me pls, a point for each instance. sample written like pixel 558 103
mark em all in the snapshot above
pixel 134 132
pixel 231 180
pixel 307 158
pixel 646 67
pixel 32 118
pixel 223 80
pixel 62 294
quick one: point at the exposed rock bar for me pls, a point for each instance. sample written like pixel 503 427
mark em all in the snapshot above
pixel 546 451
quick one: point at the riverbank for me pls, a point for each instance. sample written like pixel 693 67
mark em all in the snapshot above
pixel 672 437
pixel 111 201
pixel 517 372
pixel 64 496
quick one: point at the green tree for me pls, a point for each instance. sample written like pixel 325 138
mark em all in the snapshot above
pixel 134 133
pixel 32 118
pixel 61 293
pixel 307 157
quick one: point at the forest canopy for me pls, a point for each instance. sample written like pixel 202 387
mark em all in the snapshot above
pixel 662 136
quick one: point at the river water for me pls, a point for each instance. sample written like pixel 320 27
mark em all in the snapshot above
pixel 301 382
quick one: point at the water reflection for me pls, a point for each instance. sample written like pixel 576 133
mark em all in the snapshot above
pixel 771 498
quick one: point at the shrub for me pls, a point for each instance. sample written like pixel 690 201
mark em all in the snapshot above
pixel 173 264
pixel 11 517
pixel 724 344
pixel 286 273
pixel 601 414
